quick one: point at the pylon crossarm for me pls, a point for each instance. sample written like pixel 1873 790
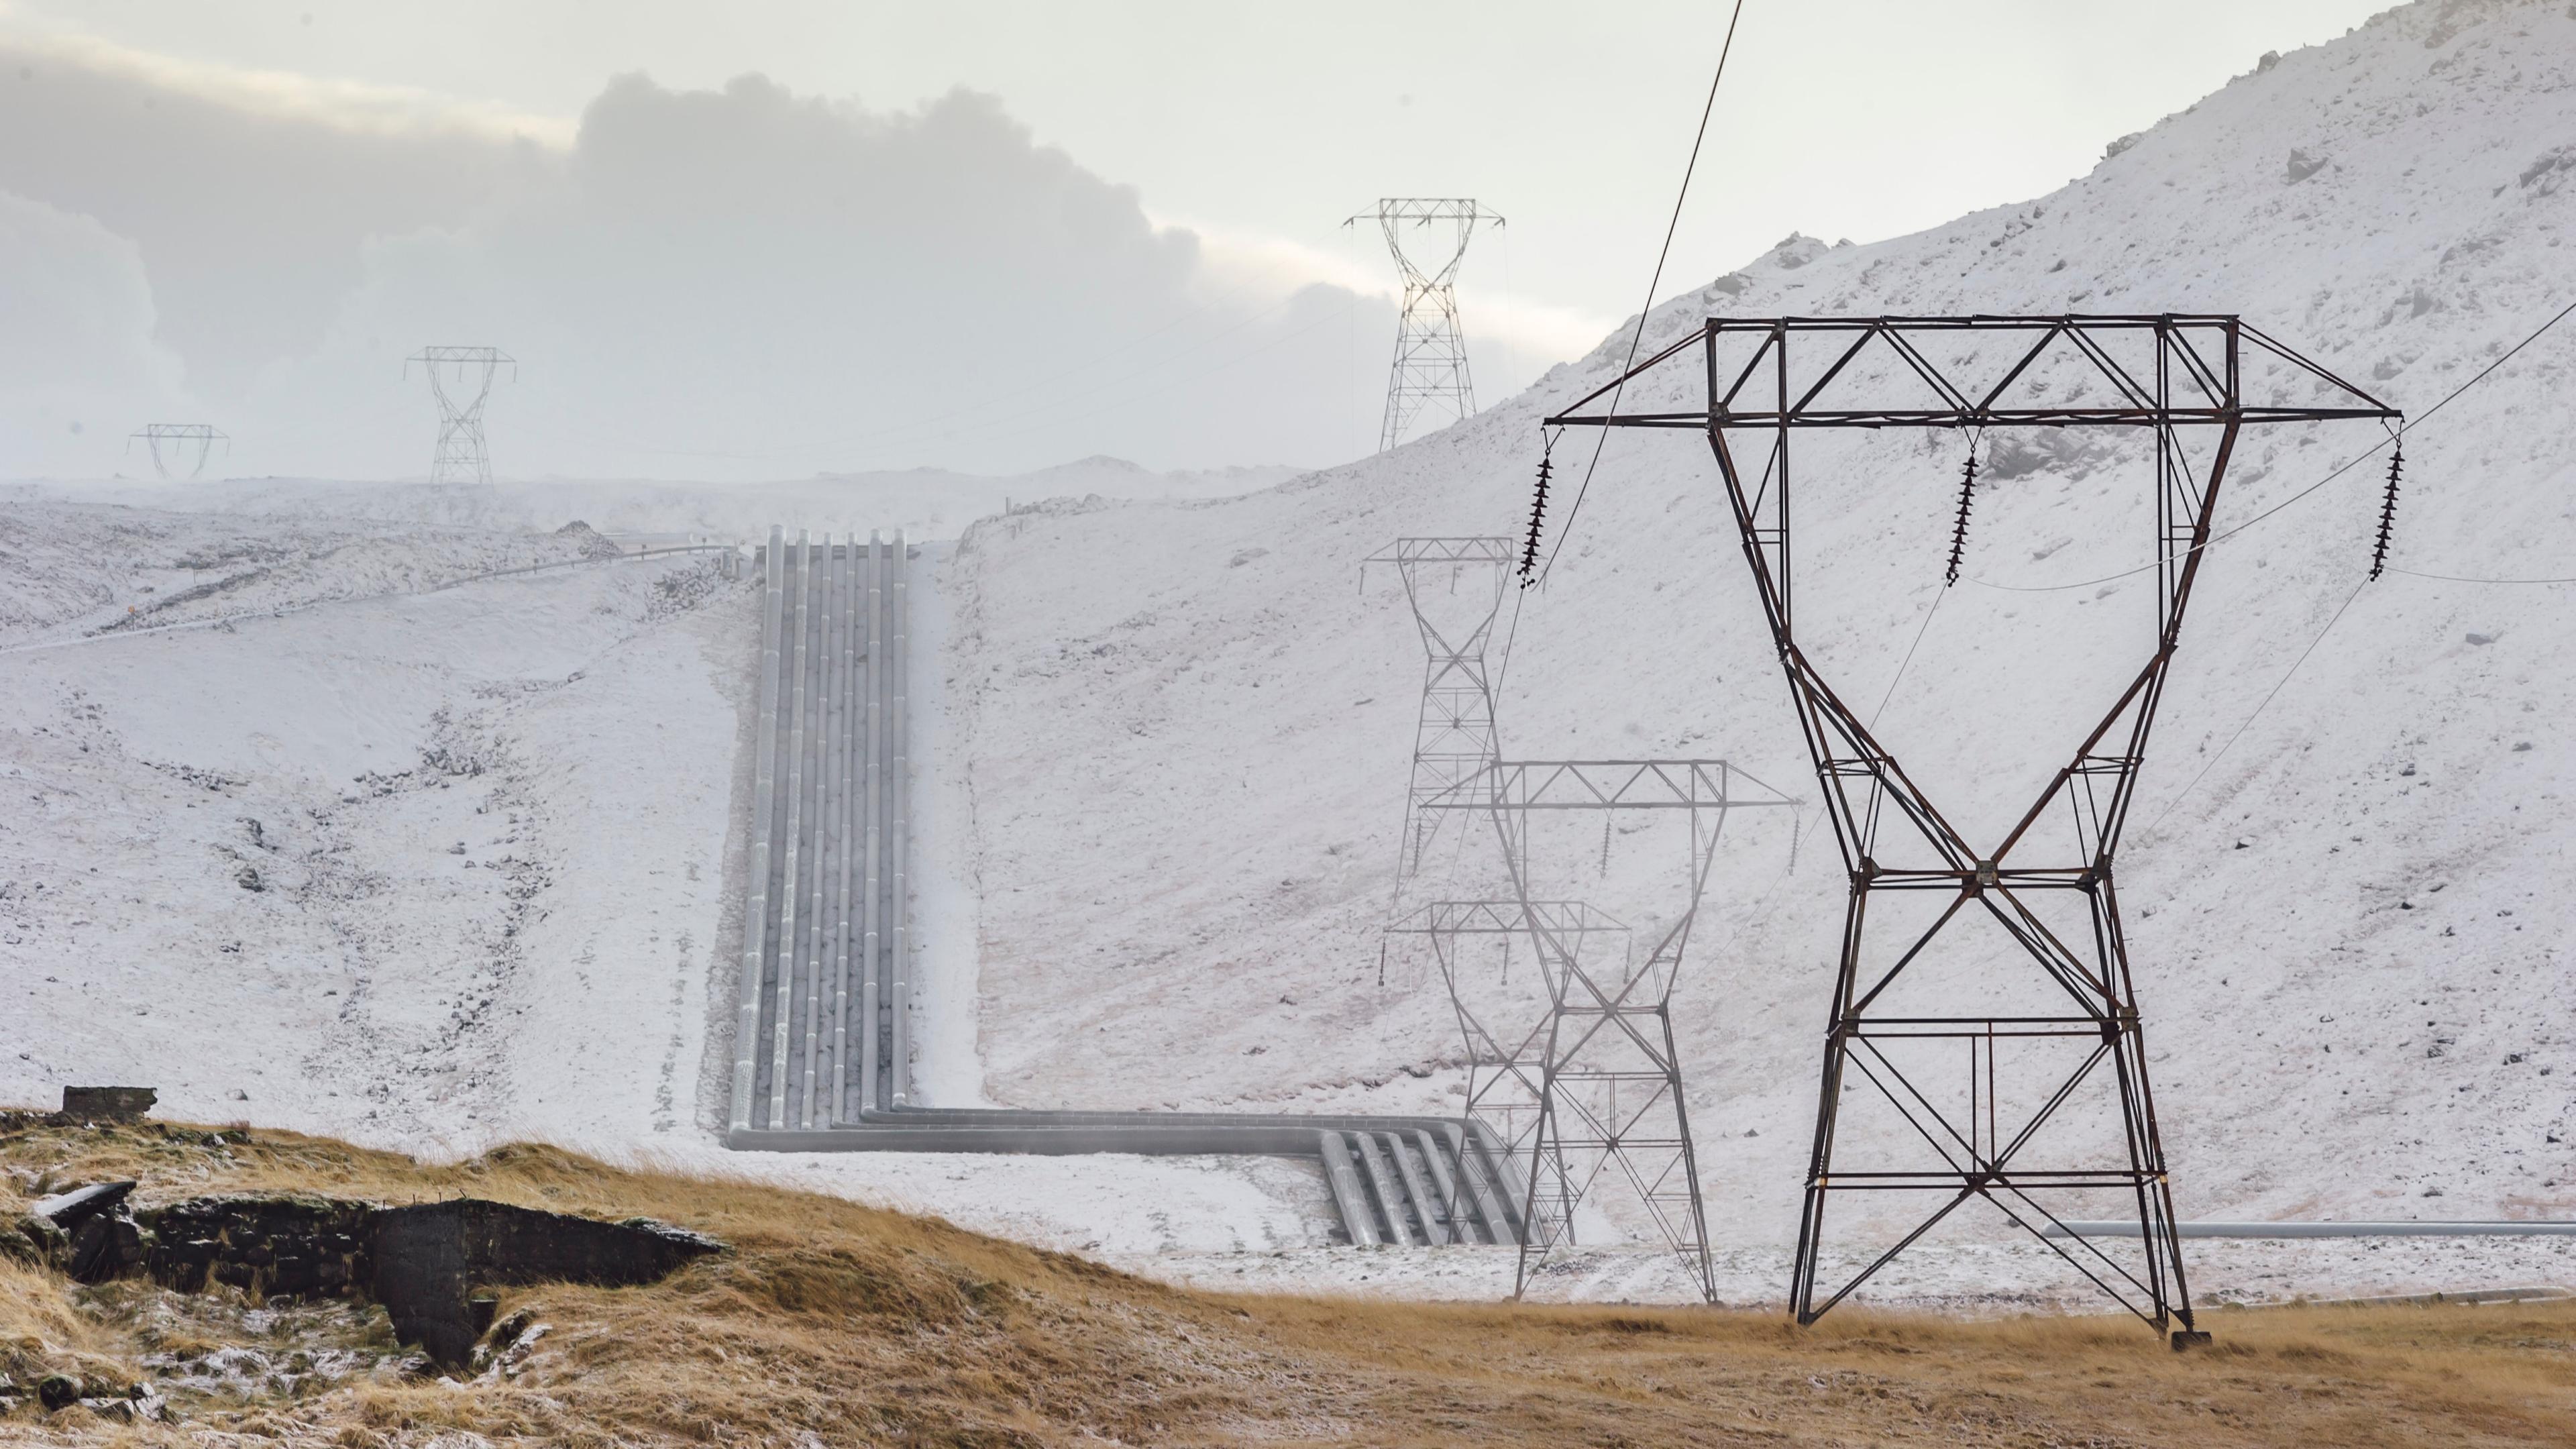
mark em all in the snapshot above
pixel 1978 404
pixel 1961 1028
pixel 2034 1179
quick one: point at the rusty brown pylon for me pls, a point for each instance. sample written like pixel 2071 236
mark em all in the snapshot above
pixel 2047 1017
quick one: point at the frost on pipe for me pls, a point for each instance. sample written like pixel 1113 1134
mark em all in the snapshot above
pixel 823 1037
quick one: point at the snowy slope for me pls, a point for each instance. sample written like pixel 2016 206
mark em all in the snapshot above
pixel 929 502
pixel 69 570
pixel 435 870
pixel 1189 725
pixel 1166 804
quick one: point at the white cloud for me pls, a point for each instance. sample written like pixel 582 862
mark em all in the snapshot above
pixel 739 282
pixel 283 95
pixel 80 361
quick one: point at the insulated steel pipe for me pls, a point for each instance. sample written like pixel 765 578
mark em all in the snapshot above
pixel 824 1029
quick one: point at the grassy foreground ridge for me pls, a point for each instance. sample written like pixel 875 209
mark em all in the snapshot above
pixel 833 1323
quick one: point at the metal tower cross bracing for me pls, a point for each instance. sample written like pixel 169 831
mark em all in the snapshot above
pixel 1507 1032
pixel 461 379
pixel 1430 369
pixel 1455 586
pixel 1595 1083
pixel 1985 1096
pixel 180 447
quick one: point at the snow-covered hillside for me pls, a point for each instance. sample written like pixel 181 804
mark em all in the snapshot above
pixel 429 869
pixel 929 502
pixel 435 870
pixel 1190 725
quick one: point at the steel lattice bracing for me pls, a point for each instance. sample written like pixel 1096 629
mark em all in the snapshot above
pixel 461 379
pixel 1509 1036
pixel 1996 1065
pixel 1455 587
pixel 1430 374
pixel 1591 1084
pixel 180 448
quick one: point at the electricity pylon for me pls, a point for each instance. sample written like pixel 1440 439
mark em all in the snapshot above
pixel 461 378
pixel 1430 368
pixel 187 443
pixel 1455 739
pixel 1985 1046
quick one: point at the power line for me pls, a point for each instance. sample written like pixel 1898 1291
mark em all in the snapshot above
pixel 2345 467
pixel 1637 337
pixel 1502 670
pixel 2460 579
pixel 1902 665
pixel 2258 709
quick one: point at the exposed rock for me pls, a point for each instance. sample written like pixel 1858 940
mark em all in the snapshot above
pixel 88 1232
pixel 429 1256
pixel 68 1210
pixel 423 1261
pixel 594 544
pixel 287 1247
pixel 108 1104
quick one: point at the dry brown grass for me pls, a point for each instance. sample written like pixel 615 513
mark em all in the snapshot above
pixel 857 1326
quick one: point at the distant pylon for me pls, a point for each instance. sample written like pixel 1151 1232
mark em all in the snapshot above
pixel 1430 368
pixel 461 377
pixel 1455 739
pixel 187 443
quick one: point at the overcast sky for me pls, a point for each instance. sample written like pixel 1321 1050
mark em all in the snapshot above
pixel 1127 241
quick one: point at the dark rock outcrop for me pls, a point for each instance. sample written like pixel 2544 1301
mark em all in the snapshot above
pixel 428 1257
pixel 108 1104
pixel 280 1247
pixel 423 1262
pixel 88 1232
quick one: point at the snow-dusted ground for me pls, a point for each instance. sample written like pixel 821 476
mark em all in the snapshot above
pixel 1170 740
pixel 235 872
pixel 929 502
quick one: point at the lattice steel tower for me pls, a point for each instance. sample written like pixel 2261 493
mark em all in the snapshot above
pixel 461 378
pixel 1455 586
pixel 1985 1042
pixel 1430 371
pixel 176 444
pixel 1575 1070
pixel 1590 1085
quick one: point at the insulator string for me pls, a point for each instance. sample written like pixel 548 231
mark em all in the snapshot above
pixel 2388 508
pixel 1538 514
pixel 1959 533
